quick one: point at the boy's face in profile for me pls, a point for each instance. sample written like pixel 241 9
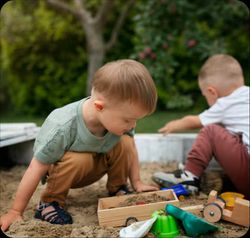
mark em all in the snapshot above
pixel 120 117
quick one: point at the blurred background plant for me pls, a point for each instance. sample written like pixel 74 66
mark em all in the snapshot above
pixel 174 38
pixel 45 54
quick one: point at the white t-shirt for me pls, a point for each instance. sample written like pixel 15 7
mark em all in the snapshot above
pixel 232 112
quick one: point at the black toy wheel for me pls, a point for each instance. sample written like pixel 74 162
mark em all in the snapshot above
pixel 131 220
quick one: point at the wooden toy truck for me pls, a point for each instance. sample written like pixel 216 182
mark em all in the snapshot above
pixel 216 209
pixel 111 215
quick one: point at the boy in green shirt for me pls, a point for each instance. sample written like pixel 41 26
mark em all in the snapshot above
pixel 84 140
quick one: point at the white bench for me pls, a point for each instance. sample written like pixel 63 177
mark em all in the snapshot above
pixel 16 142
pixel 14 133
pixel 167 148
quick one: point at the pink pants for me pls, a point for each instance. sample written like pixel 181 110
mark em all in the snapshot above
pixel 228 149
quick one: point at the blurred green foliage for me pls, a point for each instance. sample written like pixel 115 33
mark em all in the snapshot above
pixel 44 59
pixel 174 38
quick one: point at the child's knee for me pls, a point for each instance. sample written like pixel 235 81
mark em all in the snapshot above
pixel 127 142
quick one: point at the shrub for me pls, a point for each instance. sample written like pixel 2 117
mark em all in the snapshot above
pixel 174 38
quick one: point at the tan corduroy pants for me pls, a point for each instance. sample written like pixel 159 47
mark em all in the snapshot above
pixel 76 170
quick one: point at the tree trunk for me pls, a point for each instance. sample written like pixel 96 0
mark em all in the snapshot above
pixel 96 51
pixel 93 27
pixel 96 57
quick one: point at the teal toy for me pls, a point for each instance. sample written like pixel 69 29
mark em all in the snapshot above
pixel 193 225
pixel 165 226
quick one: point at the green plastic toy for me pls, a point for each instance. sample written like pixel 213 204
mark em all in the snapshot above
pixel 165 226
pixel 193 225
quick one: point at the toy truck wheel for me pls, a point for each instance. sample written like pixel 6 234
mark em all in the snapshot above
pixel 212 212
pixel 130 220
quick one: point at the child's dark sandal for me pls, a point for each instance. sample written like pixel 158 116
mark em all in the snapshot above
pixel 57 216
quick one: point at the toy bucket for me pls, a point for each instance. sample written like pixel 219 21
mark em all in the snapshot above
pixel 165 226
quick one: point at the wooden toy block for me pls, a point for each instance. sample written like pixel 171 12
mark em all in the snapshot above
pixel 216 209
pixel 240 213
pixel 111 214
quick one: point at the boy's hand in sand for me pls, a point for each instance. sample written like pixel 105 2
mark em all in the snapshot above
pixel 141 187
pixel 7 219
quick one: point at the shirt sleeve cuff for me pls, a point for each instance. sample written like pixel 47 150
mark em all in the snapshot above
pixel 40 156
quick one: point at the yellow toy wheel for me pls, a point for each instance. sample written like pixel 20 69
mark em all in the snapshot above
pixel 181 197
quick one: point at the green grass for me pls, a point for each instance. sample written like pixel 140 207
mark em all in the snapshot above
pixel 149 124
pixel 152 123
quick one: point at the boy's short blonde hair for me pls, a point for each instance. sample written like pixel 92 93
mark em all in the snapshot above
pixel 126 80
pixel 221 70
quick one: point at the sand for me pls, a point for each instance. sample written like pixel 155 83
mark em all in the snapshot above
pixel 82 205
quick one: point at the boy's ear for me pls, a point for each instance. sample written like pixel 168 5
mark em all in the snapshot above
pixel 213 91
pixel 99 105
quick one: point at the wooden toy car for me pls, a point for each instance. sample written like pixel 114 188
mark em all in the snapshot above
pixel 111 214
pixel 216 209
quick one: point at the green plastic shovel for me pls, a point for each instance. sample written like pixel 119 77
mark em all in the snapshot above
pixel 193 225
